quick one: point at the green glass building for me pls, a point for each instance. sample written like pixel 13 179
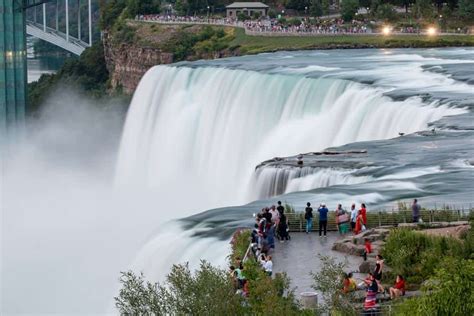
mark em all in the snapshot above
pixel 13 66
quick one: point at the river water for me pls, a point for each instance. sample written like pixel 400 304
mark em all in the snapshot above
pixel 183 174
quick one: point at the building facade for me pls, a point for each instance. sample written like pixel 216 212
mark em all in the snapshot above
pixel 247 8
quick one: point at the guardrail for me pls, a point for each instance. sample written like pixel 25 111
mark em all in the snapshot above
pixel 297 222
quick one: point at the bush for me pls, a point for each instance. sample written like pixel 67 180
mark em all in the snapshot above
pixel 449 292
pixel 411 253
pixel 328 281
pixel 208 291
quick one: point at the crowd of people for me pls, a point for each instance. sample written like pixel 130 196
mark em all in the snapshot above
pixel 335 26
pixel 271 224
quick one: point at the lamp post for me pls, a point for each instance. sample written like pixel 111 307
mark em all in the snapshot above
pixel 305 10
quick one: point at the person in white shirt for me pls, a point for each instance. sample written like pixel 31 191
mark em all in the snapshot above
pixel 353 216
pixel 268 265
pixel 275 214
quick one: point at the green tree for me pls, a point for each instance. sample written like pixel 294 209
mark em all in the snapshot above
pixel 181 7
pixel 466 10
pixel 328 281
pixel 402 3
pixel 316 9
pixel 386 12
pixel 143 7
pixel 450 291
pixel 325 6
pixel 208 291
pixel 424 9
pixel 349 9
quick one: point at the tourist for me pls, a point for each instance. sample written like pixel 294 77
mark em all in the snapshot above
pixel 271 236
pixel 237 276
pixel 359 223
pixel 378 267
pixel 415 208
pixel 348 283
pixel 342 220
pixel 268 266
pixel 371 295
pixel 280 208
pixel 275 214
pixel 363 212
pixel 353 216
pixel 398 289
pixel 308 215
pixel 267 215
pixel 367 248
pixel 283 228
pixel 323 219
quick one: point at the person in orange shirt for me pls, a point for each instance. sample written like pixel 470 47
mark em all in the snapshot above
pixel 363 211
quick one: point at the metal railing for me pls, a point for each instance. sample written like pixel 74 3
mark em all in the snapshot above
pixel 393 218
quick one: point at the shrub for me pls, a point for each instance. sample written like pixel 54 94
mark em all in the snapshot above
pixel 449 292
pixel 328 281
pixel 412 253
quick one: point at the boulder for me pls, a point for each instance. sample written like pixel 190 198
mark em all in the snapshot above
pixel 367 266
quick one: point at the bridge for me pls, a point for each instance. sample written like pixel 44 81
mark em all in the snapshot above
pixel 39 28
pixel 14 26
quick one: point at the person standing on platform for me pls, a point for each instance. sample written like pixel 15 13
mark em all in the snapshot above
pixel 363 212
pixel 308 215
pixel 323 219
pixel 415 208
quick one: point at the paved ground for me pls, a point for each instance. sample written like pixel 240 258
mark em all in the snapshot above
pixel 299 256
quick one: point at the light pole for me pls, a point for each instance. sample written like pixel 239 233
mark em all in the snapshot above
pixel 208 7
pixel 305 10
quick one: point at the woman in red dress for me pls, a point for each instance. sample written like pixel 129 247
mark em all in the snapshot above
pixel 363 211
pixel 359 223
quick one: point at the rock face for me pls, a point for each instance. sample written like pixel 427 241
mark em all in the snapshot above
pixel 154 43
pixel 128 63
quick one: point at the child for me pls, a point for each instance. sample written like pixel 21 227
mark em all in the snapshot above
pixel 368 248
pixel 268 266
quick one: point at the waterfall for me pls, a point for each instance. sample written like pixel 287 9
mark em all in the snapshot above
pixel 271 181
pixel 199 132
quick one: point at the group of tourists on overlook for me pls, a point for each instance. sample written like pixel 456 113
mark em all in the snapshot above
pixel 272 223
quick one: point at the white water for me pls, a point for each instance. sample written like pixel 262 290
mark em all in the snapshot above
pixel 271 181
pixel 200 132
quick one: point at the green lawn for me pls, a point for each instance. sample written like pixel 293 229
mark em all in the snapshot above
pixel 260 44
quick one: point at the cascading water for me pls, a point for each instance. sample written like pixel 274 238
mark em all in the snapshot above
pixel 271 181
pixel 200 132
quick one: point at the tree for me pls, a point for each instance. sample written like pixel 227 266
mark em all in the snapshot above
pixel 349 9
pixel 403 3
pixel 316 9
pixel 325 6
pixel 386 12
pixel 328 281
pixel 466 10
pixel 424 9
pixel 206 292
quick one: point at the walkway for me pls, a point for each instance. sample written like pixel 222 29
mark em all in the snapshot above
pixel 299 256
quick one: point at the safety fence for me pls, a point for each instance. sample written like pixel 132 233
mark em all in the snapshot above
pixel 393 218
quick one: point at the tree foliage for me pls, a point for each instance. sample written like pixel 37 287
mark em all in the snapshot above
pixel 207 291
pixel 349 9
pixel 466 10
pixel 450 291
pixel 328 281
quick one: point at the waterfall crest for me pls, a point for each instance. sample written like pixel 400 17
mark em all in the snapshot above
pixel 201 131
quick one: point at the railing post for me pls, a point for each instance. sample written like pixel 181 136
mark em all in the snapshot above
pixel 57 15
pixel 44 17
pixel 79 19
pixel 90 23
pixel 380 220
pixel 67 19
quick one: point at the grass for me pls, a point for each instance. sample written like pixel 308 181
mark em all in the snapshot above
pixel 260 44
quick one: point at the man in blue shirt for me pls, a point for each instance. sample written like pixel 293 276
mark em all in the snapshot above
pixel 323 218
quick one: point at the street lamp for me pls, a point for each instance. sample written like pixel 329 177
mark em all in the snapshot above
pixel 208 7
pixel 386 30
pixel 431 31
pixel 305 10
